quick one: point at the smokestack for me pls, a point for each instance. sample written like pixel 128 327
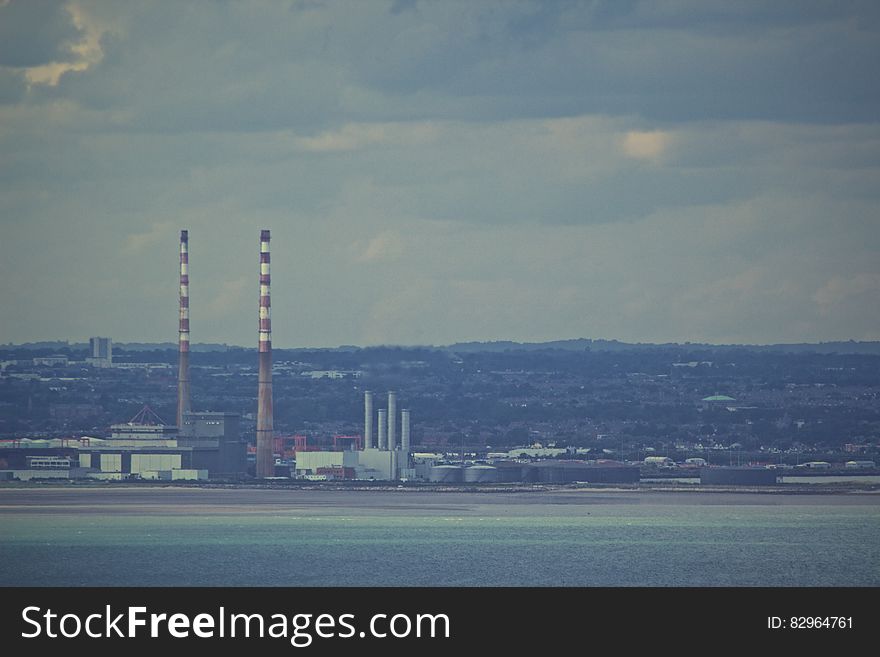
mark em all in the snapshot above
pixel 392 420
pixel 265 425
pixel 382 444
pixel 183 404
pixel 368 420
pixel 404 432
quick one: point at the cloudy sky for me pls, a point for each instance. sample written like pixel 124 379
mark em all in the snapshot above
pixel 440 171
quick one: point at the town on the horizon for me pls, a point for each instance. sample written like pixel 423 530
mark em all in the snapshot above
pixel 828 346
pixel 511 173
pixel 667 410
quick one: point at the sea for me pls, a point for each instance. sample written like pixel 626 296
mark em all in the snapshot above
pixel 174 536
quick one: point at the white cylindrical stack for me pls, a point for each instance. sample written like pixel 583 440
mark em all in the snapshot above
pixel 382 443
pixel 392 420
pixel 404 432
pixel 368 420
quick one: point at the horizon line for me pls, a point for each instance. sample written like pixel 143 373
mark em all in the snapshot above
pixel 173 344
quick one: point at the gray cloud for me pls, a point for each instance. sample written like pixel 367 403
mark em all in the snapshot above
pixel 257 66
pixel 12 86
pixel 446 171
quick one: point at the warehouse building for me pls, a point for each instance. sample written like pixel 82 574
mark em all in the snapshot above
pixel 208 444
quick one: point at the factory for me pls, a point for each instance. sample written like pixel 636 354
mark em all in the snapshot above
pixel 142 448
pixel 203 444
pixel 207 444
pixel 200 445
pixel 382 457
pixel 379 459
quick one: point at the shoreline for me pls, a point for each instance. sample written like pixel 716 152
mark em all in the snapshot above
pixel 835 488
pixel 177 500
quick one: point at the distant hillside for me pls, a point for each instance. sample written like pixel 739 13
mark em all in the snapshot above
pixel 582 344
pixel 150 346
pixel 578 344
pixel 59 345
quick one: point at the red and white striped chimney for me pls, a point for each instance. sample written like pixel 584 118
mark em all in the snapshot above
pixel 265 426
pixel 183 403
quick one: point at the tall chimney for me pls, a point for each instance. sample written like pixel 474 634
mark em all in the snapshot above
pixel 265 426
pixel 368 420
pixel 404 432
pixel 183 404
pixel 382 444
pixel 392 420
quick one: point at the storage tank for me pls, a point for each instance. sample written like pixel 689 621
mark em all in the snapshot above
pixel 566 472
pixel 549 473
pixel 480 474
pixel 509 471
pixel 603 474
pixel 446 474
pixel 738 476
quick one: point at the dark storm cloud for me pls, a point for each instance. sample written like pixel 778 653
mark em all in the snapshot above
pixel 666 61
pixel 35 32
pixel 693 64
pixel 258 66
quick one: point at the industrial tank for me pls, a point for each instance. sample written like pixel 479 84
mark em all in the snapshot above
pixel 480 474
pixel 445 474
pixel 738 476
pixel 508 471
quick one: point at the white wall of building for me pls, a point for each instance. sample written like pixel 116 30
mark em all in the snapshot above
pixel 111 462
pixel 141 462
pixel 377 463
pixel 309 462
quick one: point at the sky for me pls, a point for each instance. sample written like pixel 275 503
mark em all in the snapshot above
pixel 442 171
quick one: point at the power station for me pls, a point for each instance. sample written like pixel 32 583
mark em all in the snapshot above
pixel 208 444
pixel 385 461
pixel 214 437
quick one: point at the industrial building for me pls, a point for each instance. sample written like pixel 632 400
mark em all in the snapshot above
pixel 198 445
pixel 382 460
pixel 145 448
pixel 385 459
pixel 363 464
pixel 659 461
pixel 216 444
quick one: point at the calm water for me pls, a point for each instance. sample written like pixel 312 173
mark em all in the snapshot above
pixel 232 538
